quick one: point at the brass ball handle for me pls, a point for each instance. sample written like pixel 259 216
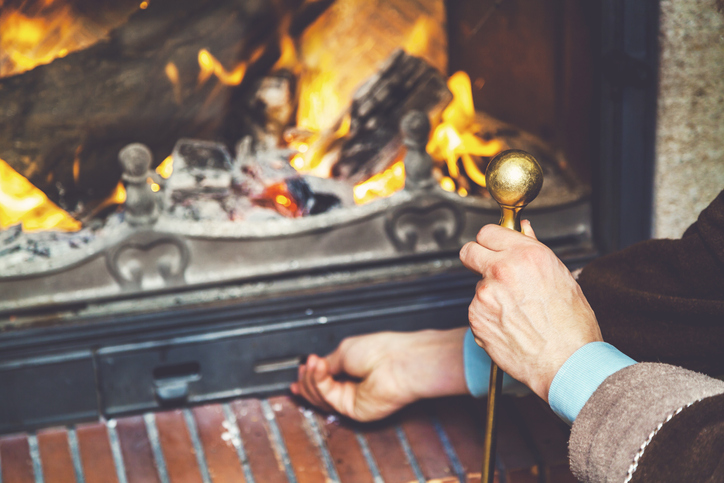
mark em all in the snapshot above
pixel 514 178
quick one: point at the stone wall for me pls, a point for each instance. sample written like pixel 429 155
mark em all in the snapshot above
pixel 690 131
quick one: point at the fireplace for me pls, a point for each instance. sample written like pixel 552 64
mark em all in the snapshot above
pixel 227 186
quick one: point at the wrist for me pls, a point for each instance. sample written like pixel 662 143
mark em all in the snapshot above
pixel 541 384
pixel 433 364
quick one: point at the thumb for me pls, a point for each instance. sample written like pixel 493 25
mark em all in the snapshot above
pixel 527 229
pixel 334 362
pixel 340 395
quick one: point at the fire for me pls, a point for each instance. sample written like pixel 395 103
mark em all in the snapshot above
pixel 173 76
pixel 381 185
pixel 39 32
pixel 447 184
pixel 210 66
pixel 319 102
pixel 165 169
pixel 119 195
pixel 155 187
pixel 289 56
pixel 313 148
pixel 454 139
pixel 21 202
pixel 278 197
pixel 418 39
pixel 328 80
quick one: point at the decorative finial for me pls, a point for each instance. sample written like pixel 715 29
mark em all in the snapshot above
pixel 514 178
pixel 142 204
pixel 415 129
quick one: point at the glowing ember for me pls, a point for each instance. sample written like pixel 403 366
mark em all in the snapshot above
pixel 283 200
pixel 278 197
pixel 21 202
pixel 210 66
pixel 454 139
pixel 381 185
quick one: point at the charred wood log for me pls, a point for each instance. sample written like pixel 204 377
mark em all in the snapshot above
pixel 62 124
pixel 404 83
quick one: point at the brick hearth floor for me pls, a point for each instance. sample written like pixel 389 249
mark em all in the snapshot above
pixel 277 440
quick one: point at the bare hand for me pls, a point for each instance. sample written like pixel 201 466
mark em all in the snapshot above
pixel 384 372
pixel 528 313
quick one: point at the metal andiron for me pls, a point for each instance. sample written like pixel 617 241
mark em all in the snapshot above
pixel 514 178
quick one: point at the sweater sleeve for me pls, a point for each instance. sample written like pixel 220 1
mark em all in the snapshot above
pixel 651 422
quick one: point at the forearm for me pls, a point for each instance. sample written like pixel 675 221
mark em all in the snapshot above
pixel 433 363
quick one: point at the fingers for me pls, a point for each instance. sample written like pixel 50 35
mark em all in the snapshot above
pixel 497 238
pixel 527 229
pixel 316 385
pixel 476 257
pixel 335 360
pixel 491 240
pixel 316 370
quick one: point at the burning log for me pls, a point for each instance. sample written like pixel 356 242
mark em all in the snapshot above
pixel 404 83
pixel 174 69
pixel 372 142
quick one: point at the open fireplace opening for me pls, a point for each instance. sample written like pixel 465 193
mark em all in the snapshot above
pixel 189 183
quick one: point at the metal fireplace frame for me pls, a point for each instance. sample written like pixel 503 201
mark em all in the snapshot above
pixel 229 338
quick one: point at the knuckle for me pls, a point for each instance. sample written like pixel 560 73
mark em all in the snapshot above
pixel 472 313
pixel 484 233
pixel 480 295
pixel 500 271
pixel 535 252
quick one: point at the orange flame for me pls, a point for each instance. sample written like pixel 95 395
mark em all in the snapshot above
pixel 381 185
pixel 119 194
pixel 454 139
pixel 418 39
pixel 165 169
pixel 209 66
pixel 49 32
pixel 22 202
pixel 313 148
pixel 173 76
pixel 289 59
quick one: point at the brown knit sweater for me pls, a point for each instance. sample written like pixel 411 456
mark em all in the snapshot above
pixel 651 423
pixel 658 301
pixel 663 300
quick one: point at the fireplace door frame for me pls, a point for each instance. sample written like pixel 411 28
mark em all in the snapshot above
pixel 110 366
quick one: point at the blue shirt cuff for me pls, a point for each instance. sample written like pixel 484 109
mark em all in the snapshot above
pixel 579 377
pixel 477 371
